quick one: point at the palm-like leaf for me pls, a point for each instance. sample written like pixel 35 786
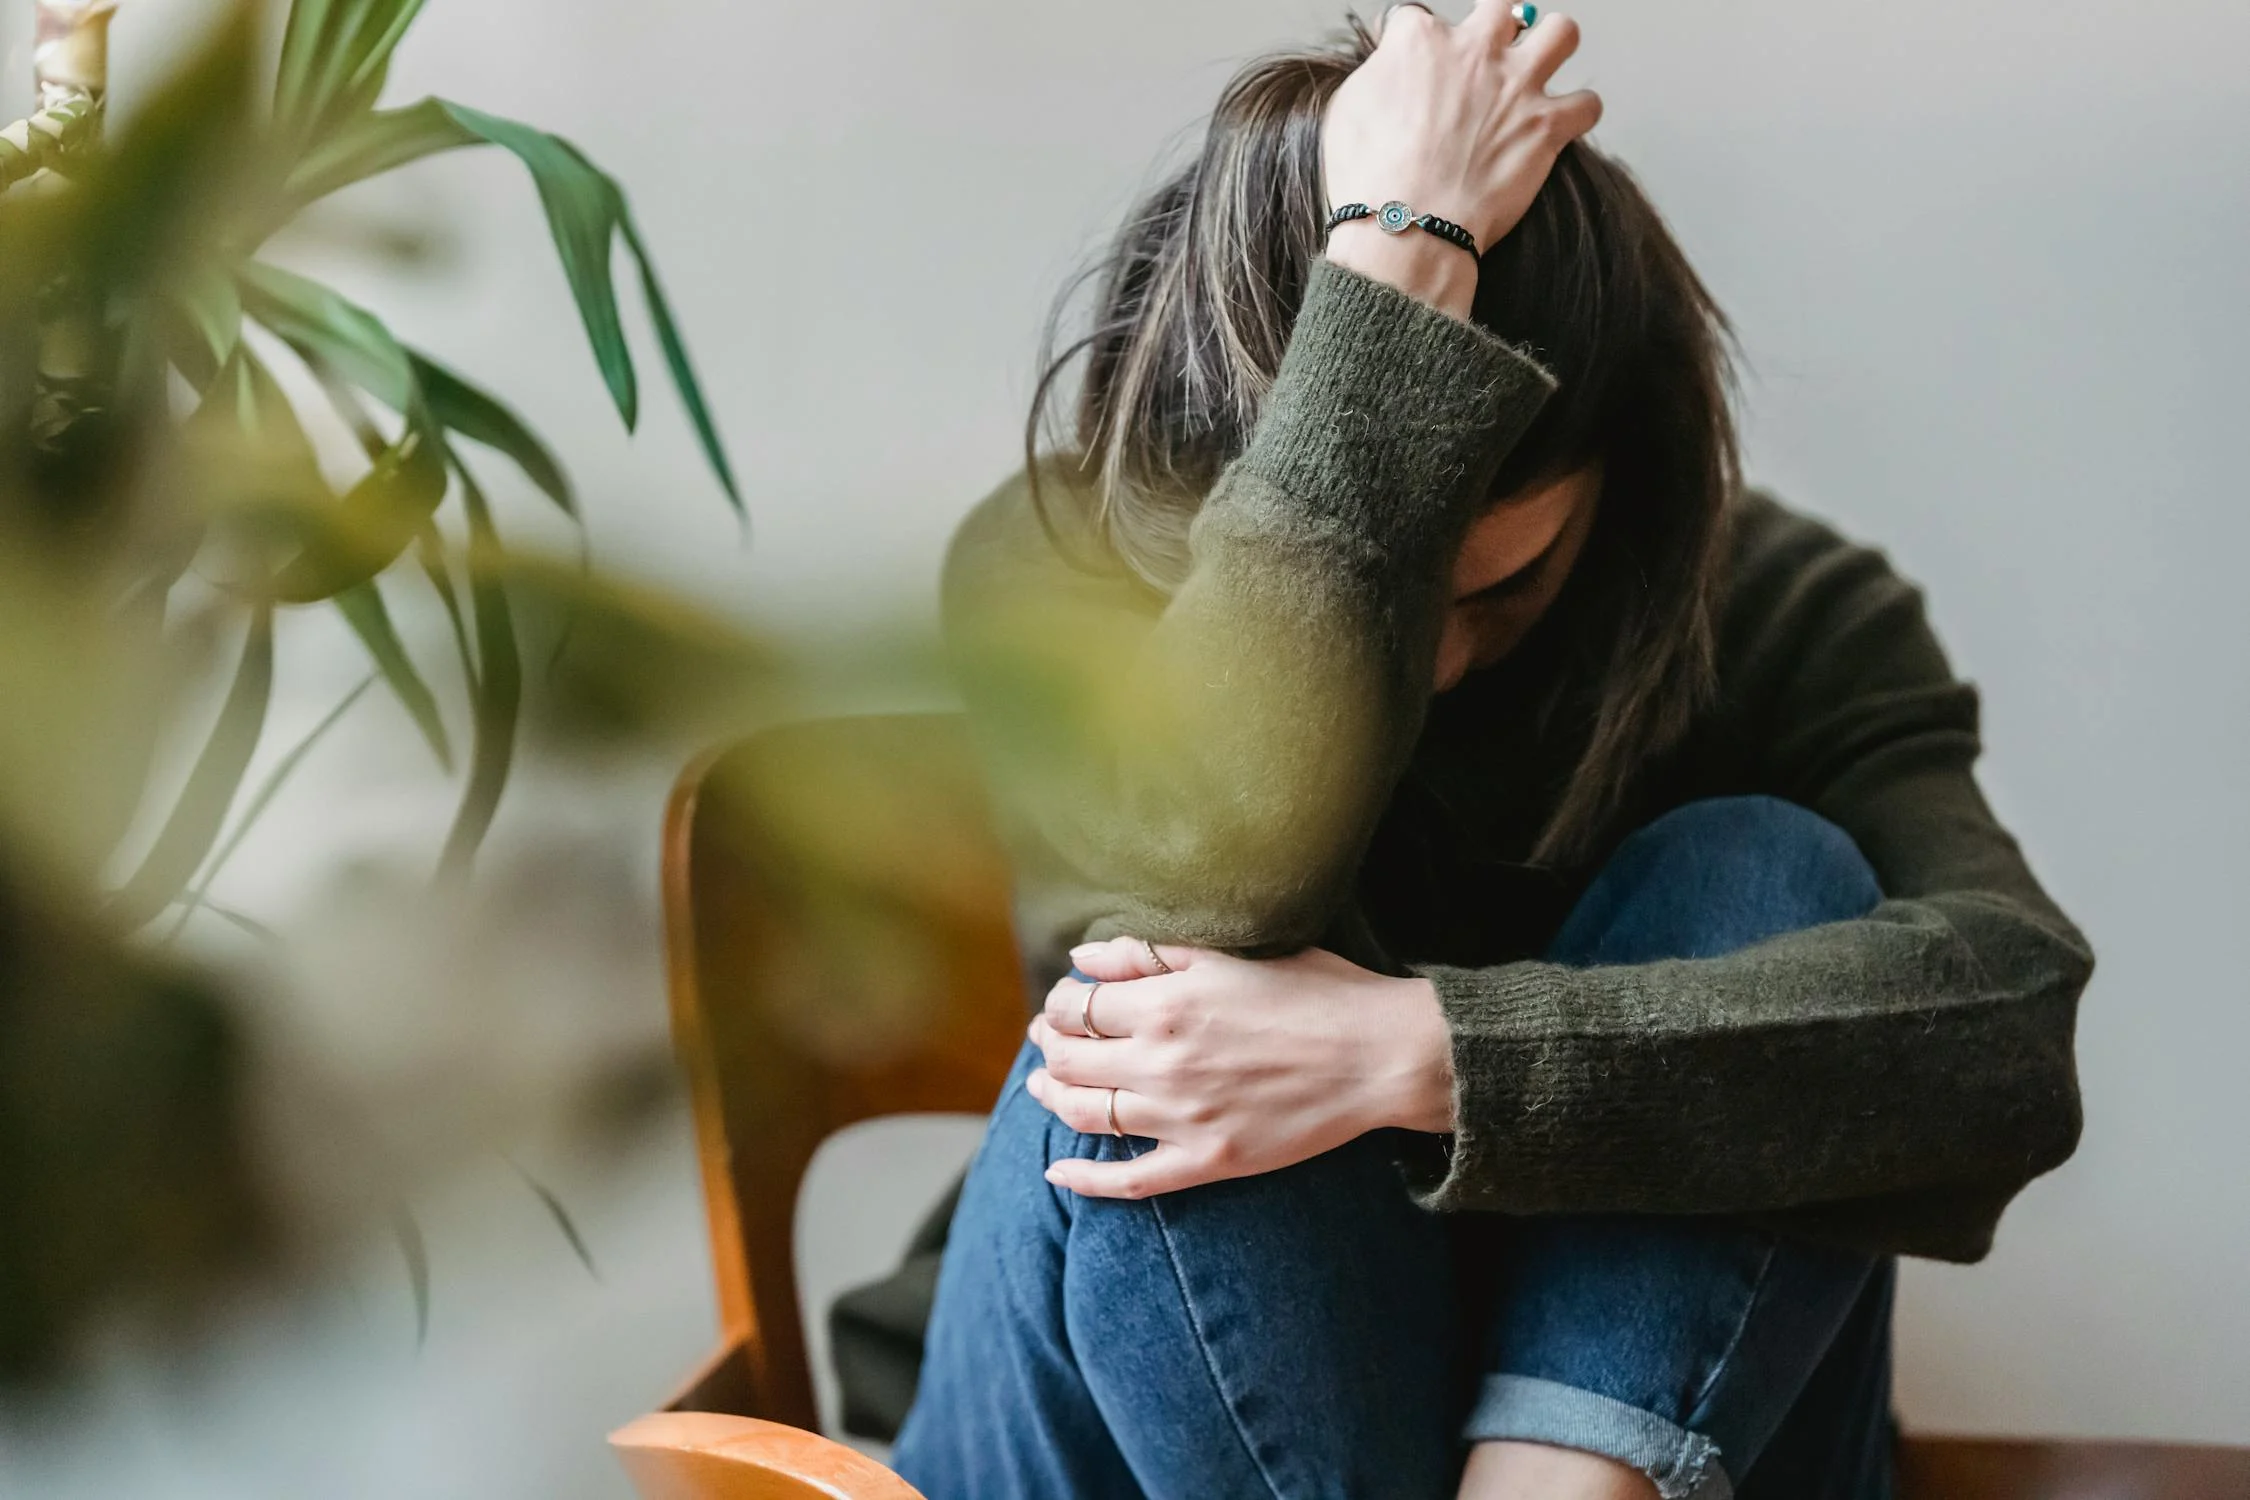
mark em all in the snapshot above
pixel 499 691
pixel 201 811
pixel 370 144
pixel 370 619
pixel 334 57
pixel 587 213
pixel 199 899
pixel 468 412
pixel 190 310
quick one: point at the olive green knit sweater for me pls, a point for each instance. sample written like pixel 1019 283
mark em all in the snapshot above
pixel 1256 762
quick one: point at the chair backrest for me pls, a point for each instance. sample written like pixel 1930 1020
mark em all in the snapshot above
pixel 838 943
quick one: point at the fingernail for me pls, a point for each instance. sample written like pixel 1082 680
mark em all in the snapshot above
pixel 1087 950
pixel 1054 1175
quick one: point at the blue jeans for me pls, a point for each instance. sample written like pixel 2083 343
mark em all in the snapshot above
pixel 1313 1333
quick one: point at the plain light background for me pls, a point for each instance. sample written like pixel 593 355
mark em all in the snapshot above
pixel 1990 263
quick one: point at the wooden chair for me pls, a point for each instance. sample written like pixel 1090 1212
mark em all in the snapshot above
pixel 836 915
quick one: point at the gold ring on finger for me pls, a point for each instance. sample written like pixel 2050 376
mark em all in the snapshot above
pixel 1113 1130
pixel 1086 1012
pixel 1155 957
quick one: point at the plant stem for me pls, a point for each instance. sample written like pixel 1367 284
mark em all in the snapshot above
pixel 71 55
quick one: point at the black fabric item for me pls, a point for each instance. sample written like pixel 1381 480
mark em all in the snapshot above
pixel 876 1331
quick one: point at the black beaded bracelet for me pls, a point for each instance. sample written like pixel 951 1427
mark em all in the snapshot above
pixel 1395 217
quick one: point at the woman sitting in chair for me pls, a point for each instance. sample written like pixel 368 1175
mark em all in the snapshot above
pixel 1536 949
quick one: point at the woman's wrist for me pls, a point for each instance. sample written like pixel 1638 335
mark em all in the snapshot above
pixel 1415 1072
pixel 1423 266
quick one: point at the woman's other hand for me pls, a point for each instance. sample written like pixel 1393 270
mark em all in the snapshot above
pixel 1234 1066
pixel 1453 120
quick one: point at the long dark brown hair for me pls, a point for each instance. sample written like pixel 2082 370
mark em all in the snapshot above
pixel 1197 297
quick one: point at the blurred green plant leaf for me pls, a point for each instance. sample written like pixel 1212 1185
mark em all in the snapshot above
pixel 334 57
pixel 586 213
pixel 244 921
pixel 499 694
pixel 562 1218
pixel 209 312
pixel 430 552
pixel 674 344
pixel 463 409
pixel 402 489
pixel 583 208
pixel 371 144
pixel 196 818
pixel 415 1251
pixel 328 325
pixel 363 609
pixel 380 516
pixel 199 899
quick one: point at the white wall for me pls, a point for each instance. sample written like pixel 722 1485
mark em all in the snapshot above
pixel 1988 261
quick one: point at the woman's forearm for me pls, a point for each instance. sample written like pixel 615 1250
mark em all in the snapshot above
pixel 1426 269
pixel 1207 768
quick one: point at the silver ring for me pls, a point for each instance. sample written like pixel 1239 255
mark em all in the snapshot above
pixel 1113 1130
pixel 1155 957
pixel 1086 1012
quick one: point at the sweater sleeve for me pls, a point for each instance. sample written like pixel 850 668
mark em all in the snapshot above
pixel 1207 768
pixel 1889 1083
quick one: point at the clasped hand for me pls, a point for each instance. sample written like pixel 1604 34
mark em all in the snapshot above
pixel 1234 1066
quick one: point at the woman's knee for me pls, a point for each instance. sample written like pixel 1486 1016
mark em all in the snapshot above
pixel 1717 875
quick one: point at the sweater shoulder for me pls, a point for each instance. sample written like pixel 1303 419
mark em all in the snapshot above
pixel 1827 659
pixel 1778 550
pixel 1802 597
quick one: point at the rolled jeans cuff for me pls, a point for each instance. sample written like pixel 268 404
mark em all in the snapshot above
pixel 1683 1465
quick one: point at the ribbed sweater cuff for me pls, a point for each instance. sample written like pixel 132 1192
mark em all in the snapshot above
pixel 1388 418
pixel 1506 1029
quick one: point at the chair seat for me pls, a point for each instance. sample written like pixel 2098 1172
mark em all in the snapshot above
pixel 687 1455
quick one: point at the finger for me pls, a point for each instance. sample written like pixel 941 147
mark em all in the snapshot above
pixel 1109 1005
pixel 1405 13
pixel 1084 1061
pixel 1167 1169
pixel 1087 1110
pixel 1119 959
pixel 1495 22
pixel 1572 115
pixel 1546 47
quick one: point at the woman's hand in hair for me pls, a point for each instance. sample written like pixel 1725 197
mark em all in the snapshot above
pixel 1455 120
pixel 1234 1066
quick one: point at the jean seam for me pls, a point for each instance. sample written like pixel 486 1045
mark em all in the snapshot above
pixel 1696 1408
pixel 1203 1349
